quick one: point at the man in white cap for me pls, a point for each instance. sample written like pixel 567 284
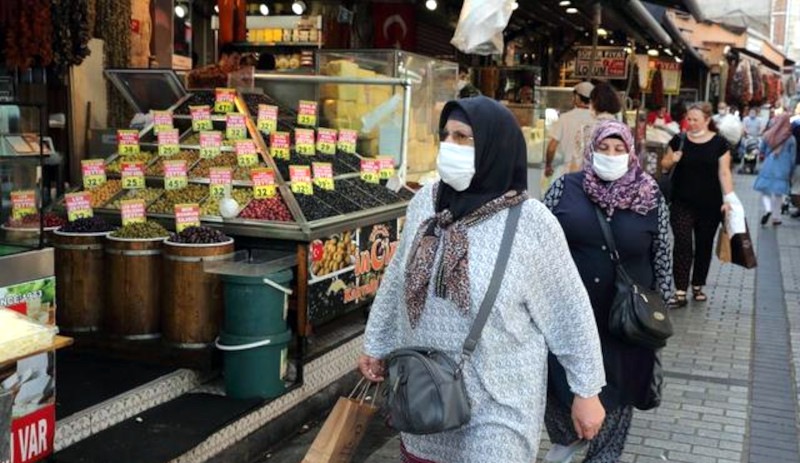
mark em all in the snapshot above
pixel 566 135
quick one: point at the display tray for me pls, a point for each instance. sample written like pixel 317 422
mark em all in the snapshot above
pixel 59 342
pixel 27 229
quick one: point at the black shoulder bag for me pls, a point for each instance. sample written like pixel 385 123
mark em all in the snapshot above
pixel 665 180
pixel 638 315
pixel 426 391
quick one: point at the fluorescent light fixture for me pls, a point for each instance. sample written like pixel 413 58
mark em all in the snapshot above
pixel 180 11
pixel 431 5
pixel 298 7
pixel 571 10
pixel 652 52
pixel 602 32
pixel 564 3
pixel 264 9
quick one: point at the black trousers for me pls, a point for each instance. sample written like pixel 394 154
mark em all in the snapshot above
pixel 694 231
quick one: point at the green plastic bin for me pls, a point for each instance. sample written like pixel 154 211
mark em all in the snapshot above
pixel 256 305
pixel 254 365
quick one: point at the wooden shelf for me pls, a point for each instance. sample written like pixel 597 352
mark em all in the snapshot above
pixel 59 342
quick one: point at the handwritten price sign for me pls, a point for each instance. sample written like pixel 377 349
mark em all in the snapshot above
pixel 94 173
pixel 127 142
pixel 175 177
pixel 348 140
pixel 267 118
pixel 304 142
pixel 168 142
pixel 326 141
pixel 201 118
pixel 235 127
pixel 279 145
pixel 263 183
pixel 301 180
pixel 210 144
pixel 132 175
pixel 79 205
pixel 307 113
pixel 371 170
pixel 323 175
pixel 132 211
pixel 225 98
pixel 246 154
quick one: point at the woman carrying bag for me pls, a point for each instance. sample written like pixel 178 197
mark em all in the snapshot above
pixel 774 178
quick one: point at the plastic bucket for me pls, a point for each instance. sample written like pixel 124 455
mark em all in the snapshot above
pixel 256 305
pixel 254 365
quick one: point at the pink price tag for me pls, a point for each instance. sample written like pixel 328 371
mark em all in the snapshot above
pixel 162 119
pixel 127 137
pixel 220 175
pixel 235 121
pixel 79 205
pixel 132 211
pixel 210 139
pixel 326 141
pixel 186 215
pixel 303 136
pixel 279 140
pixel 225 94
pixel 370 170
pixel 200 113
pixel 23 199
pixel 300 174
pixel 262 176
pixel 93 167
pixel 132 169
pixel 168 137
pixel 175 168
pixel 348 139
pixel 323 170
pixel 267 112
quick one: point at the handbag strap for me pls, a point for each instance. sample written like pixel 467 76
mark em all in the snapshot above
pixel 494 285
pixel 608 236
pixel 680 148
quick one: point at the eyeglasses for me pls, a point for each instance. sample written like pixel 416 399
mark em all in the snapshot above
pixel 459 138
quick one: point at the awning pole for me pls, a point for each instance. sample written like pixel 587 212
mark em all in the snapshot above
pixel 597 20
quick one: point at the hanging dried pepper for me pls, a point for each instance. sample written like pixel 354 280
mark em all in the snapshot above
pixel 113 25
pixel 758 85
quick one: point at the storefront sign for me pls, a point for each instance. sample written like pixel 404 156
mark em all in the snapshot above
pixel 267 118
pixel 219 180
pixel 162 120
pixel 326 141
pixel 94 173
pixel 225 98
pixel 132 175
pixel 348 140
pixel 79 205
pixel 371 170
pixel 307 113
pixel 304 142
pixel 301 180
pixel 323 175
pixel 279 144
pixel 610 63
pixel 670 76
pixel 235 127
pixel 168 142
pixel 132 211
pixel 175 177
pixel 23 202
pixel 127 142
pixel 35 299
pixel 201 118
pixel 263 183
pixel 246 153
pixel 387 167
pixel 210 144
pixel 33 428
pixel 186 215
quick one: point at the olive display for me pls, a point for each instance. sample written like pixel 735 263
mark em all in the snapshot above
pixel 211 205
pixel 405 194
pixel 199 235
pixel 350 159
pixel 340 167
pixel 243 173
pixel 314 208
pixel 33 221
pixel 141 230
pixel 197 98
pixel 157 168
pixel 87 225
pixel 287 117
pixel 203 167
pixel 377 191
pixel 103 194
pixel 115 166
pixel 337 200
pixel 147 194
pixel 338 252
pixel 356 194
pixel 166 203
pixel 194 139
pixel 272 209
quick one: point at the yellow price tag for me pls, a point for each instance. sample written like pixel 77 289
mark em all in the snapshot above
pixel 309 120
pixel 305 149
pixel 91 182
pixel 247 160
pixel 210 152
pixel 280 153
pixel 133 182
pixel 175 183
pixel 202 125
pixel 371 177
pixel 216 190
pixel 236 133
pixel 324 183
pixel 168 150
pixel 128 150
pixel 302 188
pixel 264 191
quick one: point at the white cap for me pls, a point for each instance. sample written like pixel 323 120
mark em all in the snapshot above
pixel 584 89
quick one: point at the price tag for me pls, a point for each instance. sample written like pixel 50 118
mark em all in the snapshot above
pixel 132 175
pixel 132 211
pixel 79 205
pixel 94 173
pixel 175 177
pixel 279 145
pixel 220 179
pixel 307 113
pixel 267 118
pixel 235 127
pixel 23 203
pixel 348 140
pixel 304 142
pixel 186 215
pixel 323 175
pixel 201 118
pixel 371 170
pixel 246 153
pixel 326 141
pixel 162 120
pixel 168 142
pixel 127 142
pixel 387 167
pixel 263 183
pixel 210 144
pixel 225 98
pixel 301 180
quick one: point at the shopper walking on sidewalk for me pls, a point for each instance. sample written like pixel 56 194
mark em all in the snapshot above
pixel 436 281
pixel 613 181
pixel 702 189
pixel 773 181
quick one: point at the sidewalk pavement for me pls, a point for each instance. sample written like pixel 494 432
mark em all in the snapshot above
pixel 731 391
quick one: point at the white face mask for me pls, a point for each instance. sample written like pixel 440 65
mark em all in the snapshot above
pixel 698 133
pixel 456 165
pixel 610 168
pixel 461 84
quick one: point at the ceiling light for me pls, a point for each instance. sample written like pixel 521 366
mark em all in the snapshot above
pixel 564 3
pixel 264 9
pixel 678 59
pixel 629 50
pixel 431 5
pixel 299 7
pixel 514 6
pixel 668 51
pixel 602 32
pixel 572 10
pixel 611 41
pixel 180 11
pixel 652 52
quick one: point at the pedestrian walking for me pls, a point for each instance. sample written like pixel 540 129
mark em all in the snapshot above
pixel 432 290
pixel 604 104
pixel 702 189
pixel 566 135
pixel 612 180
pixel 773 181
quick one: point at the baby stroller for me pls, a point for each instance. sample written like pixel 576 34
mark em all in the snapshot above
pixel 751 155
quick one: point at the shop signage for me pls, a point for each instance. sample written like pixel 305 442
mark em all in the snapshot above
pixel 263 183
pixel 279 145
pixel 94 173
pixel 210 144
pixel 127 142
pixel 132 211
pixel 371 170
pixel 348 140
pixel 225 98
pixel 23 203
pixel 36 299
pixel 670 76
pixel 267 118
pixel 168 142
pixel 186 215
pixel 219 180
pixel 201 118
pixel 132 175
pixel 323 175
pixel 304 142
pixel 326 141
pixel 387 167
pixel 301 180
pixel 307 113
pixel 33 433
pixel 79 205
pixel 609 63
pixel 235 127
pixel 175 177
pixel 246 154
pixel 162 120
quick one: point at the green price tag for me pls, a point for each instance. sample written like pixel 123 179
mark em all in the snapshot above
pixel 225 100
pixel 264 191
pixel 168 150
pixel 133 182
pixel 305 149
pixel 201 125
pixel 216 190
pixel 302 188
pixel 247 159
pixel 370 177
pixel 236 133
pixel 175 183
pixel 128 150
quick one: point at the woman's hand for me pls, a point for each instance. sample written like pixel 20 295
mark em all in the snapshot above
pixel 676 156
pixel 371 368
pixel 726 208
pixel 588 415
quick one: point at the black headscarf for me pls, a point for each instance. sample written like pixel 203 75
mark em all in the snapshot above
pixel 500 156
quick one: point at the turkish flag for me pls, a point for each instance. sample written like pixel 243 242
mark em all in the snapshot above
pixel 394 26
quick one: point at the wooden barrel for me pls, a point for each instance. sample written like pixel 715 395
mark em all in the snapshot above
pixel 192 299
pixel 134 287
pixel 80 274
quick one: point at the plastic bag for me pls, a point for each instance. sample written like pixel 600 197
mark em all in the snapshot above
pixel 730 127
pixel 480 26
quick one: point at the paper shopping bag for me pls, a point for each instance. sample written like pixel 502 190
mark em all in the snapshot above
pixel 742 251
pixel 723 245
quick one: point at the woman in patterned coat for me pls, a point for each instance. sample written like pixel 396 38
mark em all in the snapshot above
pixel 434 286
pixel 612 181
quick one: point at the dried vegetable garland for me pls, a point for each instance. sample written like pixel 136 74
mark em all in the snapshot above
pixel 71 33
pixel 758 85
pixel 113 25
